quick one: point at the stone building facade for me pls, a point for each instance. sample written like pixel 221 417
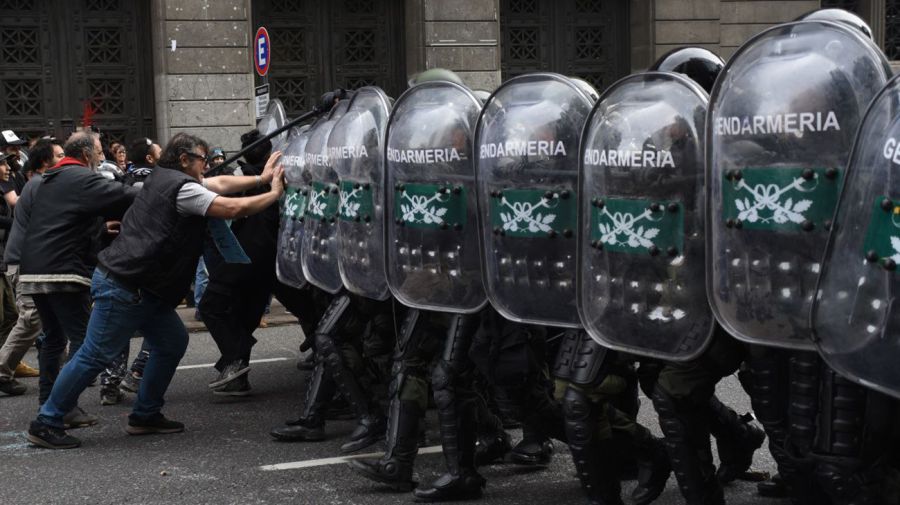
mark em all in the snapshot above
pixel 157 67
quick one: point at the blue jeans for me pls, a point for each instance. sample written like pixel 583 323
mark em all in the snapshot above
pixel 200 281
pixel 118 313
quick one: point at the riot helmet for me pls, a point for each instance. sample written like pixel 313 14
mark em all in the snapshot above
pixel 840 16
pixel 699 64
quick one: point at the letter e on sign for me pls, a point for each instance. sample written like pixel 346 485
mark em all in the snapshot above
pixel 262 51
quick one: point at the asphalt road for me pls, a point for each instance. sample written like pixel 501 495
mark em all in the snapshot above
pixel 220 457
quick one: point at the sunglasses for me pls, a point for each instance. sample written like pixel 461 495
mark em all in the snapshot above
pixel 198 157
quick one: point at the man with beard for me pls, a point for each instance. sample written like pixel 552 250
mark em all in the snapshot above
pixel 59 254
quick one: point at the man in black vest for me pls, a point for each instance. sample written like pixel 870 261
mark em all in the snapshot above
pixel 141 278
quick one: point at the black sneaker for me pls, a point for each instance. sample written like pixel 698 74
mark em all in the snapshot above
pixel 12 387
pixel 237 387
pixel 49 437
pixel 156 423
pixel 231 372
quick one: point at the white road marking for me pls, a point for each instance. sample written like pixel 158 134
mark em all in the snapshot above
pixel 435 449
pixel 252 362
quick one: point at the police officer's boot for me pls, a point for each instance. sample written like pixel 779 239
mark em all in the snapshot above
pixel 371 425
pixel 493 441
pixel 597 469
pixel 310 426
pixel 395 468
pixel 535 448
pixel 687 442
pixel 737 438
pixel 457 414
pixel 653 467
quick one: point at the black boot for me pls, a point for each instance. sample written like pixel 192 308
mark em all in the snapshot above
pixel 395 468
pixel 493 441
pixel 736 439
pixel 597 470
pixel 687 442
pixel 371 422
pixel 653 468
pixel 369 430
pixel 310 426
pixel 459 427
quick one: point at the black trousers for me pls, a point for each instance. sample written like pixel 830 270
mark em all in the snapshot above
pixel 232 313
pixel 64 317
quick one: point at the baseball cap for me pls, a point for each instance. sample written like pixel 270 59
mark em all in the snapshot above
pixel 216 152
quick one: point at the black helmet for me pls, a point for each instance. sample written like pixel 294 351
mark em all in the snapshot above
pixel 840 16
pixel 701 65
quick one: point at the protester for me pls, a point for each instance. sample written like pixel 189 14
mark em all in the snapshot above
pixel 58 252
pixel 11 145
pixel 237 294
pixel 216 157
pixel 118 378
pixel 119 156
pixel 141 279
pixel 8 313
pixel 44 154
pixel 144 153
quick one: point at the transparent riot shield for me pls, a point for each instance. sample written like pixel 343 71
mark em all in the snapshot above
pixel 526 167
pixel 641 246
pixel 856 328
pixel 320 246
pixel 433 261
pixel 782 119
pixel 355 148
pixel 273 119
pixel 293 205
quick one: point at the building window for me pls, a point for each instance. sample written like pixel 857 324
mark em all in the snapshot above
pixel 23 97
pixel 892 29
pixel 20 46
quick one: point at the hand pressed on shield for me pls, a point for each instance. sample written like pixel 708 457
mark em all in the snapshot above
pixel 269 169
pixel 277 180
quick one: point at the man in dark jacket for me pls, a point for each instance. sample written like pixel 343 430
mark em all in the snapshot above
pixel 236 296
pixel 141 278
pixel 59 252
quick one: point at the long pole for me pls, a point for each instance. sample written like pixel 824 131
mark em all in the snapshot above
pixel 325 104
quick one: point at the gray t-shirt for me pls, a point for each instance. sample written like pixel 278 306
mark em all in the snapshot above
pixel 194 199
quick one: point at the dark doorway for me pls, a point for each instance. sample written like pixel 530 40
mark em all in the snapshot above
pixel 582 38
pixel 64 61
pixel 319 46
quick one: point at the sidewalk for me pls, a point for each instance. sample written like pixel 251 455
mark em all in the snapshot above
pixel 277 316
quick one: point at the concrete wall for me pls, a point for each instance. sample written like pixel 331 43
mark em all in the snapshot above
pixel 462 35
pixel 744 19
pixel 204 86
pixel 719 25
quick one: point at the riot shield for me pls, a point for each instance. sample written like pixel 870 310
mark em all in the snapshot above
pixel 641 264
pixel 853 318
pixel 293 206
pixel 433 261
pixel 526 168
pixel 273 119
pixel 355 148
pixel 320 246
pixel 781 124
